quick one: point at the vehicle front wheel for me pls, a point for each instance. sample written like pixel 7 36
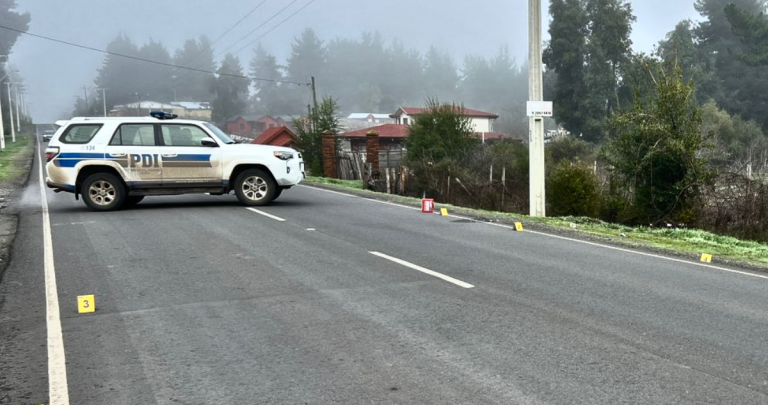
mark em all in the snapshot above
pixel 103 192
pixel 277 194
pixel 255 187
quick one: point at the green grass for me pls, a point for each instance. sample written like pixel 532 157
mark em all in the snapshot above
pixel 686 242
pixel 356 184
pixel 15 157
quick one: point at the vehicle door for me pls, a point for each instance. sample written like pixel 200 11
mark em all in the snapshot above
pixel 186 161
pixel 135 148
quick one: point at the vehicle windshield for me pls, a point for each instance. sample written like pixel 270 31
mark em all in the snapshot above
pixel 219 133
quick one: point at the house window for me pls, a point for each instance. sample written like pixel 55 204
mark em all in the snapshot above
pixel 405 121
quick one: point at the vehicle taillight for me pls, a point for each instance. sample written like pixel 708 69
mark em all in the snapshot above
pixel 51 153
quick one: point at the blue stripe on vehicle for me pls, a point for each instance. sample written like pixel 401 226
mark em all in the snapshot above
pixel 80 156
pixel 68 162
pixel 188 158
pixel 68 187
pixel 72 159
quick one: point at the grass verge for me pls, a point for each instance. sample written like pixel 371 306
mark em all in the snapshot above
pixel 14 160
pixel 687 243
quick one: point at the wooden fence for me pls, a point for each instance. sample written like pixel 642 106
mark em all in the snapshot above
pixel 352 165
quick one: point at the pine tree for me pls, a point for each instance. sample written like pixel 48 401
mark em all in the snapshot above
pixel 231 92
pixel 192 85
pixel 441 76
pixel 609 50
pixel 737 87
pixel 121 75
pixel 269 95
pixel 565 55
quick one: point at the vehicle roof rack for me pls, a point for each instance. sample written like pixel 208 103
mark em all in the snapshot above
pixel 162 115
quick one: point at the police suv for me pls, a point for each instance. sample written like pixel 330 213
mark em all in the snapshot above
pixel 116 162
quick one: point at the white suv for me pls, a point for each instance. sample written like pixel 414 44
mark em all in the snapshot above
pixel 116 162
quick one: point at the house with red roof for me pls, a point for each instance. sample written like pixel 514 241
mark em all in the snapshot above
pixel 391 137
pixel 276 136
pixel 482 122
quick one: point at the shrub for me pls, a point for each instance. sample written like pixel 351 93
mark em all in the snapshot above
pixel 573 190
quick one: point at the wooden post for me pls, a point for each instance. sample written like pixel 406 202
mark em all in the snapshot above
pixel 388 189
pixel 329 155
pixel 503 185
pixel 372 149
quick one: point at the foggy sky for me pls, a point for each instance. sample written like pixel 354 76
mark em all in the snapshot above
pixel 55 74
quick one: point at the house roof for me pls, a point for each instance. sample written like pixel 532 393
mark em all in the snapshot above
pixel 249 118
pixel 286 118
pixel 466 112
pixel 384 131
pixel 148 104
pixel 193 105
pixel 271 133
pixel 364 116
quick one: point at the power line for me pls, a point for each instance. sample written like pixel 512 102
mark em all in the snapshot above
pixel 275 27
pixel 255 29
pixel 148 60
pixel 238 23
pixel 199 56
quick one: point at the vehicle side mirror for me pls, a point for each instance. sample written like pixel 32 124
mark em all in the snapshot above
pixel 208 142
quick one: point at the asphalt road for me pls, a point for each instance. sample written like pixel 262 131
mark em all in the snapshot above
pixel 201 301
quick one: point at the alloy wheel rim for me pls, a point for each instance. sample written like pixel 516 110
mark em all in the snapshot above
pixel 255 188
pixel 102 193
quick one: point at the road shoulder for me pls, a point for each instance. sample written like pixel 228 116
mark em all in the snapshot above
pixel 10 191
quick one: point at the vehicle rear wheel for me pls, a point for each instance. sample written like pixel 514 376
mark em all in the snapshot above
pixel 103 192
pixel 132 200
pixel 255 187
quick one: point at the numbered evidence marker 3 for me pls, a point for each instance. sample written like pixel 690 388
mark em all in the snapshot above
pixel 519 226
pixel 444 212
pixel 706 258
pixel 86 304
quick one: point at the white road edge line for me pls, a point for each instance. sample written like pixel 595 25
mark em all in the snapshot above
pixel 266 214
pixel 708 266
pixel 423 270
pixel 57 367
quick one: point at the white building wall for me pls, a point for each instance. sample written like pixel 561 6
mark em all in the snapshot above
pixel 482 125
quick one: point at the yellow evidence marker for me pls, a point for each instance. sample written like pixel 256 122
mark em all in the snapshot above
pixel 86 304
pixel 706 258
pixel 519 226
pixel 444 212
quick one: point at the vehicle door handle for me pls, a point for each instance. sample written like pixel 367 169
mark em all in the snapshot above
pixel 170 154
pixel 117 154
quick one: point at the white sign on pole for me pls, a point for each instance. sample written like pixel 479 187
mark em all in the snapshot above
pixel 539 108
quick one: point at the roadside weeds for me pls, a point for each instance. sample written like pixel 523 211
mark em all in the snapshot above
pixel 15 167
pixel 688 244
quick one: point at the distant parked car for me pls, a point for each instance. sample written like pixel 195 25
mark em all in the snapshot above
pixel 48 134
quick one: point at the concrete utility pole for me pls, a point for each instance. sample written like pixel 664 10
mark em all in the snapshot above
pixel 10 112
pixel 104 98
pixel 536 125
pixel 18 120
pixel 2 128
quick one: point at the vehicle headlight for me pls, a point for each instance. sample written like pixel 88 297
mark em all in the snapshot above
pixel 283 155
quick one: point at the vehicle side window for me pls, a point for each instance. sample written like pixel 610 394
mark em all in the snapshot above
pixel 134 135
pixel 79 133
pixel 182 135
